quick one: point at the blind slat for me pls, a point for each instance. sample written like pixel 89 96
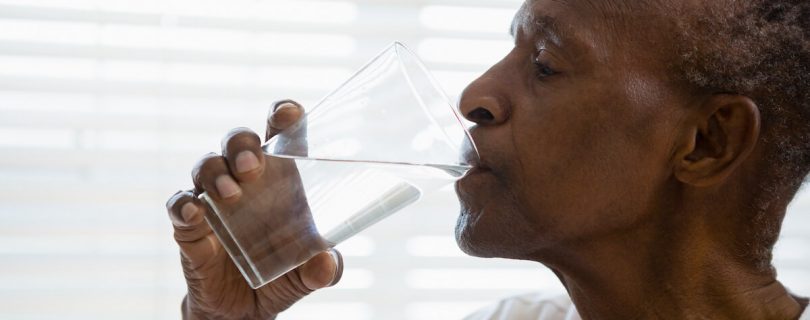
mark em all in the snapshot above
pixel 105 106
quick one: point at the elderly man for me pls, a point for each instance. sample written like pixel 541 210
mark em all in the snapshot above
pixel 645 151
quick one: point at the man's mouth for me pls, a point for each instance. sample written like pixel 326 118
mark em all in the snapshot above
pixel 477 170
pixel 477 163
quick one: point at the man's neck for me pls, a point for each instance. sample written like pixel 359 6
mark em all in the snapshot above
pixel 647 273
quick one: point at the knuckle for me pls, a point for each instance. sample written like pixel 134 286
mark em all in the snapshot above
pixel 213 163
pixel 174 205
pixel 201 163
pixel 239 136
pixel 173 200
pixel 179 199
pixel 210 163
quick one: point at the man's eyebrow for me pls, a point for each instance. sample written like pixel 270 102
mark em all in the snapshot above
pixel 550 28
pixel 545 25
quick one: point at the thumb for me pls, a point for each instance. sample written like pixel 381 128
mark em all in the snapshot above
pixel 322 270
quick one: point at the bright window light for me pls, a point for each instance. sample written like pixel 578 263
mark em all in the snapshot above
pixel 139 6
pixel 71 4
pixel 792 250
pixel 795 279
pixel 443 310
pixel 357 246
pixel 205 39
pixel 288 10
pixel 106 105
pixel 468 19
pixel 187 73
pixel 323 80
pixel 28 100
pixel 122 140
pixel 304 44
pixel 37 138
pixel 356 278
pixel 512 278
pixel 121 243
pixel 307 11
pixel 47 67
pixel 454 82
pixel 48 31
pixel 203 107
pixel 176 38
pixel 459 51
pixel 274 10
pixel 329 310
pixel 221 40
pixel 131 36
pixel 129 70
pixel 433 246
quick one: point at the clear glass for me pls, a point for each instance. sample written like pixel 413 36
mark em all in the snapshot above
pixel 368 149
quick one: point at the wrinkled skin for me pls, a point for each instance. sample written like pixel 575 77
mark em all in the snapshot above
pixel 626 183
pixel 235 180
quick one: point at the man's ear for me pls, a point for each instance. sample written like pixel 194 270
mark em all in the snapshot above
pixel 716 139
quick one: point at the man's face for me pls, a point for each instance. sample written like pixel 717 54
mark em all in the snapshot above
pixel 579 132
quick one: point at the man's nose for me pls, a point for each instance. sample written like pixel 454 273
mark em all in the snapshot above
pixel 483 103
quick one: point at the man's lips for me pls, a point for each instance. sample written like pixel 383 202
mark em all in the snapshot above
pixel 476 170
pixel 474 160
pixel 471 155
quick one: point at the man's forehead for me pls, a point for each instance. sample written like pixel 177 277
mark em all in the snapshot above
pixel 598 31
pixel 607 9
pixel 583 20
pixel 551 19
pixel 533 20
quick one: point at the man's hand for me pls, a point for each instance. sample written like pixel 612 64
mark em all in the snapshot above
pixel 216 288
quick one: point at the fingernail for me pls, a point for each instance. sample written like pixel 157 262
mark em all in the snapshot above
pixel 246 161
pixel 285 105
pixel 227 187
pixel 189 212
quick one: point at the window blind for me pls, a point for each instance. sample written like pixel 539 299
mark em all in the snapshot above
pixel 106 105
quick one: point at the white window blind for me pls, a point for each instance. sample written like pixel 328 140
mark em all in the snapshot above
pixel 105 106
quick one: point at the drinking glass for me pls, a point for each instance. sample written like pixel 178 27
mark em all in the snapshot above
pixel 368 149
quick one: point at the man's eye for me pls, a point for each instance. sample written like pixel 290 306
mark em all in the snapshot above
pixel 543 70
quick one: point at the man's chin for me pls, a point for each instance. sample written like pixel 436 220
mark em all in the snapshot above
pixel 472 249
pixel 495 235
pixel 471 242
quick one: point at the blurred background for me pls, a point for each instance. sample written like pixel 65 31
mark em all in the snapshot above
pixel 105 106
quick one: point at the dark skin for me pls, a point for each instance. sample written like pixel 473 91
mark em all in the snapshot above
pixel 628 185
pixel 216 288
pixel 631 187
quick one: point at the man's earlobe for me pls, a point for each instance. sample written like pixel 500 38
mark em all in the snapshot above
pixel 717 138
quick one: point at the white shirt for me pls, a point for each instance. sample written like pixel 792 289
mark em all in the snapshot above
pixel 537 306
